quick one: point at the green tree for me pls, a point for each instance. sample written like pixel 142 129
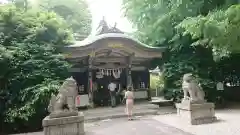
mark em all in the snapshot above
pixel 218 30
pixel 21 3
pixel 75 12
pixel 32 67
pixel 161 23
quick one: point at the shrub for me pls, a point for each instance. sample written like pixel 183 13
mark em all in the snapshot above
pixel 31 66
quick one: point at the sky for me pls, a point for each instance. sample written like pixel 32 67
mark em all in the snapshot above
pixel 3 1
pixel 111 10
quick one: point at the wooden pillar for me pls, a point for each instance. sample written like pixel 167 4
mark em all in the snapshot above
pixel 90 83
pixel 128 70
pixel 148 86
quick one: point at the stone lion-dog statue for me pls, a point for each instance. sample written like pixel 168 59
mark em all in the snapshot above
pixel 190 85
pixel 64 103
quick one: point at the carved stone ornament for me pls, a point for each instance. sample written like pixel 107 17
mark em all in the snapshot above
pixel 63 104
pixel 190 85
pixel 104 28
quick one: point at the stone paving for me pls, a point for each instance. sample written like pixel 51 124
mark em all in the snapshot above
pixel 227 124
pixel 139 109
pixel 140 126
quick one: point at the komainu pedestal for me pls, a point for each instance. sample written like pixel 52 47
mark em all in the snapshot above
pixel 70 125
pixel 196 113
pixel 194 108
pixel 64 118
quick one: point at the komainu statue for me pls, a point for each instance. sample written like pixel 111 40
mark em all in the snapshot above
pixel 190 85
pixel 64 102
pixel 64 118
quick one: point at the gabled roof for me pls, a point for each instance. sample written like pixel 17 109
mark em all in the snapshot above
pixel 93 39
pixel 104 31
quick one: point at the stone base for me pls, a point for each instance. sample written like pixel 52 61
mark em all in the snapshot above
pixel 63 114
pixel 196 113
pixel 70 125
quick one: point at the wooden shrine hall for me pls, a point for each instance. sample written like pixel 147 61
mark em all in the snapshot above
pixel 110 56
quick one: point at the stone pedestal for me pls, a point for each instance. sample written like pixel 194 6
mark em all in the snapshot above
pixel 69 125
pixel 196 113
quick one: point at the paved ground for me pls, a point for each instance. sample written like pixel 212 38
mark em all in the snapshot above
pixel 140 109
pixel 140 126
pixel 227 124
pixel 143 108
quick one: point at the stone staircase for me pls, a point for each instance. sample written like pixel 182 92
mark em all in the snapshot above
pixel 161 101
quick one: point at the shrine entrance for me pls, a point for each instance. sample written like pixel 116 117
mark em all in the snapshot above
pixel 110 56
pixel 101 96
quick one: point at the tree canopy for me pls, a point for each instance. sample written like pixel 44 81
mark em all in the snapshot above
pixel 75 12
pixel 219 30
pixel 196 33
pixel 32 67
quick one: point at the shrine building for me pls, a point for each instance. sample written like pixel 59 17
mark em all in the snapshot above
pixel 110 56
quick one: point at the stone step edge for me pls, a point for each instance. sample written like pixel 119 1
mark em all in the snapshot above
pixel 93 119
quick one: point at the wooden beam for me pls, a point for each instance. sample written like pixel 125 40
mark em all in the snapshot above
pixel 132 55
pixel 77 69
pixel 138 68
pixel 109 66
pixel 109 52
pixel 109 59
pixel 83 69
